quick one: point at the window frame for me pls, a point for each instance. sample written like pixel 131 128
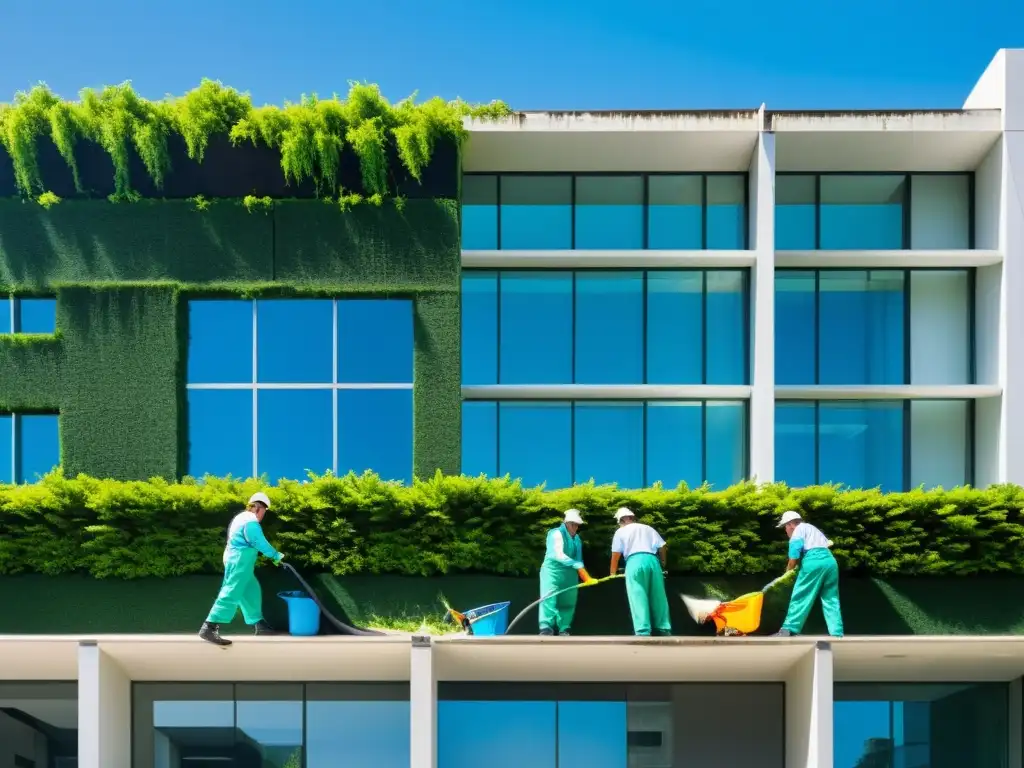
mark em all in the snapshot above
pixel 17 468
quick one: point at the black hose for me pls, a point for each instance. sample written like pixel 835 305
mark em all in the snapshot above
pixel 339 625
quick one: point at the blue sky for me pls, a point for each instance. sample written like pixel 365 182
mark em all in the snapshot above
pixel 534 54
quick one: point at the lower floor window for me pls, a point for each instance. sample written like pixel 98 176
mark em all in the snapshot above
pixel 284 725
pixel 29 446
pixel 631 443
pixel 894 445
pixel 288 433
pixel 39 724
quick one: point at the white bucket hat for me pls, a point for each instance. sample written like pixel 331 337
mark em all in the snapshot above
pixel 624 512
pixel 260 497
pixel 573 516
pixel 788 517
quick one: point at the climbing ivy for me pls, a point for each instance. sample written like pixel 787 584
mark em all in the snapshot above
pixel 310 135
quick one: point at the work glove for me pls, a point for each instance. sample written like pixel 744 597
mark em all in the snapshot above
pixel 585 577
pixel 279 559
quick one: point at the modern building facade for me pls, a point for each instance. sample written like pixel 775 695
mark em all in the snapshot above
pixel 687 297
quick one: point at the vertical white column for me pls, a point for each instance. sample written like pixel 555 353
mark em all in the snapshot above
pixel 104 710
pixel 809 710
pixel 762 309
pixel 1012 315
pixel 422 705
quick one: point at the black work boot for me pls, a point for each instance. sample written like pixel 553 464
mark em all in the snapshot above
pixel 546 632
pixel 563 633
pixel 783 633
pixel 211 634
pixel 262 628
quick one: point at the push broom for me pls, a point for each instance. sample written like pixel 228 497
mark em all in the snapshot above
pixel 741 616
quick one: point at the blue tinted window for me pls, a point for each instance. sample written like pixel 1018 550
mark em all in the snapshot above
pixel 675 449
pixel 609 328
pixel 727 213
pixel 592 734
pixel 295 340
pixel 726 443
pixel 6 448
pixel 726 328
pixel 219 341
pixel 675 331
pixel 479 328
pixel 795 327
pixel 535 443
pixel 375 432
pixel 536 327
pixel 862 212
pixel 37 315
pixel 536 212
pixel 675 212
pixel 860 327
pixel 496 734
pixel 795 213
pixel 480 438
pixel 38 446
pixel 861 444
pixel 375 344
pixel 5 316
pixel 795 441
pixel 367 733
pixel 609 212
pixel 220 432
pixel 479 213
pixel 284 448
pixel 609 443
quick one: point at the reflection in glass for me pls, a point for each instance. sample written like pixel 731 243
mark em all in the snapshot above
pixel 5 315
pixel 675 327
pixel 591 734
pixel 39 725
pixel 925 725
pixel 940 211
pixel 609 443
pixel 725 443
pixel 192 733
pixel 219 341
pixel 268 725
pixel 535 442
pixel 479 328
pixel 609 212
pixel 479 438
pixel 6 448
pixel 536 212
pixel 609 344
pixel 496 734
pixel 284 451
pixel 37 315
pixel 38 446
pixel 795 443
pixel 727 212
pixel 293 340
pixel 795 198
pixel 675 212
pixel 860 444
pixel 862 212
pixel 357 733
pixel 675 445
pixel 375 432
pixel 726 327
pixel 536 327
pixel 940 443
pixel 795 328
pixel 374 341
pixel 212 414
pixel 479 213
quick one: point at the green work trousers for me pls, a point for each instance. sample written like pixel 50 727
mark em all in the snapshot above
pixel 818 577
pixel 556 612
pixel 240 589
pixel 645 588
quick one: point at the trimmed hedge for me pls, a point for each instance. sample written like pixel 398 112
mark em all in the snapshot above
pixel 352 525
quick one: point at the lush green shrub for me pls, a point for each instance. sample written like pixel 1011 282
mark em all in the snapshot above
pixel 351 524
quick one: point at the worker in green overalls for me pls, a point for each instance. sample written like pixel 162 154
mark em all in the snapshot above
pixel 562 568
pixel 643 549
pixel 810 549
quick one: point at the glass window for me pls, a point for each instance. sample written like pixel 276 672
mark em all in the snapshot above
pixel 941 304
pixel 6 315
pixel 591 734
pixel 675 212
pixel 675 327
pixel 189 724
pixel 725 443
pixel 675 443
pixel 294 341
pixel 796 443
pixel 609 212
pixel 862 212
pixel 38 446
pixel 479 213
pixel 795 327
pixel 496 734
pixel 295 434
pixel 921 724
pixel 37 315
pixel 609 443
pixel 727 212
pixel 375 432
pixel 361 724
pixel 609 328
pixel 940 210
pixel 38 724
pixel 536 212
pixel 535 443
pixel 861 331
pixel 268 724
pixel 6 448
pixel 860 444
pixel 726 327
pixel 536 327
pixel 220 432
pixel 220 341
pixel 375 341
pixel 940 443
pixel 480 438
pixel 795 214
pixel 479 328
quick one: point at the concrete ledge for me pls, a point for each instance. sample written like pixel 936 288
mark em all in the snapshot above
pixel 582 259
pixel 950 259
pixel 606 392
pixel 889 392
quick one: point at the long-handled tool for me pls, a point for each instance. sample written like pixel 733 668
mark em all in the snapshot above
pixel 339 625
pixel 740 616
pixel 556 593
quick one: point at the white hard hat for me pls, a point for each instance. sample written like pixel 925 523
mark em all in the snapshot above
pixel 624 512
pixel 260 497
pixel 788 517
pixel 573 516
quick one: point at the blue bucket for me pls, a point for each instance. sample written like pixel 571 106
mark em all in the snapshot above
pixel 489 620
pixel 303 614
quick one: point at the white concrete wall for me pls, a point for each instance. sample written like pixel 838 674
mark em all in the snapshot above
pixel 422 705
pixel 809 710
pixel 762 312
pixel 104 711
pixel 1012 289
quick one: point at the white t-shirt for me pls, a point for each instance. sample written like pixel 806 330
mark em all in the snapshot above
pixel 807 537
pixel 636 537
